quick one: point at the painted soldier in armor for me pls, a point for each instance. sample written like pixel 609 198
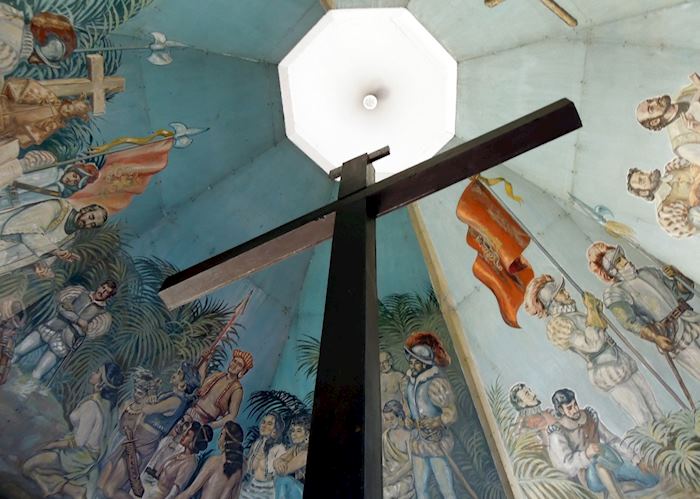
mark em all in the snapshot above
pixel 12 318
pixel 650 303
pixel 81 314
pixel 531 415
pixel 431 405
pixel 610 369
pixel 582 447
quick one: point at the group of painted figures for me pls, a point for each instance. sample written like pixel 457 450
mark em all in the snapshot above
pixel 150 446
pixel 418 410
pixel 676 191
pixel 648 302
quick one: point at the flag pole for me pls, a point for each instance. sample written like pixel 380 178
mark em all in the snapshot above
pixel 617 332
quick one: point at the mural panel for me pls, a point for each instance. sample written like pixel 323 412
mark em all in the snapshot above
pixel 585 345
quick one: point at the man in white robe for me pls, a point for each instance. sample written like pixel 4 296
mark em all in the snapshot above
pixel 680 117
pixel 32 233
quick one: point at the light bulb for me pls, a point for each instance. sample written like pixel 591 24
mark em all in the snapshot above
pixel 369 102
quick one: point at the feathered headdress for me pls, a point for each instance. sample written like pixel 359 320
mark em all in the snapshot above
pixel 246 357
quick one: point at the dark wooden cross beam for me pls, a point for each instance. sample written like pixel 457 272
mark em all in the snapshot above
pixel 344 457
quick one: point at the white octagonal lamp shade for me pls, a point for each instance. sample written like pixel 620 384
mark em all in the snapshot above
pixel 362 79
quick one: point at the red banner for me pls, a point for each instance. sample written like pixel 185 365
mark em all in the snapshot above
pixel 499 242
pixel 124 175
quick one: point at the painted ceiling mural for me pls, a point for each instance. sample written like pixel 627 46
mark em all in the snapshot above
pixel 135 141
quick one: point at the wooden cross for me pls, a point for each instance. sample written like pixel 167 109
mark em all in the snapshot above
pixel 96 85
pixel 552 5
pixel 344 459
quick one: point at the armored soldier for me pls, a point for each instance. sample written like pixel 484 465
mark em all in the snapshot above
pixel 650 303
pixel 81 314
pixel 431 405
pixel 610 369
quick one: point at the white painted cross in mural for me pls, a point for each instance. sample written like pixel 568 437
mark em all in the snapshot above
pixel 343 458
pixel 96 85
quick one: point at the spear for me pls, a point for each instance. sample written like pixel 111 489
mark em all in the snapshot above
pixel 237 312
pixel 181 135
pixel 159 49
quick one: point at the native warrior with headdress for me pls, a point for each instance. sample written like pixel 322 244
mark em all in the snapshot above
pixel 432 410
pixel 650 303
pixel 610 369
pixel 219 398
pixel 47 38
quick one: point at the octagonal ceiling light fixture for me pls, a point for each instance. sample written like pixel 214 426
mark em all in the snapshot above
pixel 362 79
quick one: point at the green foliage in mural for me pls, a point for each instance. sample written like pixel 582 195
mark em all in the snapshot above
pixel 308 349
pixel 671 447
pixel 144 333
pixel 536 476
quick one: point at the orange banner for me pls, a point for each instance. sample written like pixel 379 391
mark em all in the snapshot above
pixel 499 242
pixel 124 175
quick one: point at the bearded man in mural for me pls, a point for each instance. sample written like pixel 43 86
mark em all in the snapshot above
pixel 40 231
pixel 46 184
pixel 531 415
pixel 48 38
pixel 582 447
pixel 81 314
pixel 610 369
pixel 432 410
pixel 676 195
pixel 650 303
pixel 680 117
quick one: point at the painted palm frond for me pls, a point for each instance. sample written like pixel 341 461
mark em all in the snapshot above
pixel 308 351
pixel 279 402
pixel 144 333
pixel 309 399
pixel 97 15
pixel 539 480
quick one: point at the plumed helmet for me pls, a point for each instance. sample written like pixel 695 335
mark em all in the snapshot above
pixel 423 353
pixel 55 38
pixel 601 260
pixel 427 348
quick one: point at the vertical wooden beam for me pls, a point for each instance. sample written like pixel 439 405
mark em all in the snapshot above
pixel 344 459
